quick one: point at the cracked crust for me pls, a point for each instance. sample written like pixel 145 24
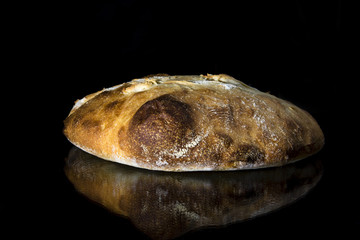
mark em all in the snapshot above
pixel 191 123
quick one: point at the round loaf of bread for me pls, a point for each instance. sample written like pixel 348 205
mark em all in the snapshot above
pixel 192 123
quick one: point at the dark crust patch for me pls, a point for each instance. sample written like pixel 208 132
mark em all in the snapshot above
pixel 160 124
pixel 300 150
pixel 225 139
pixel 247 153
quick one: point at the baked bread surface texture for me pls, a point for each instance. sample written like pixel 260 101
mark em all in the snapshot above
pixel 192 123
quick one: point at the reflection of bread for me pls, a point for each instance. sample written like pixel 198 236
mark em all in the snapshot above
pixel 166 205
pixel 186 123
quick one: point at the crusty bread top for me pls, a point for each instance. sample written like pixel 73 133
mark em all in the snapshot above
pixel 187 123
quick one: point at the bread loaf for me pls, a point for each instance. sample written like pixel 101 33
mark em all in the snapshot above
pixel 192 123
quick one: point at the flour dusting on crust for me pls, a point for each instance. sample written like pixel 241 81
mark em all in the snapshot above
pixel 192 123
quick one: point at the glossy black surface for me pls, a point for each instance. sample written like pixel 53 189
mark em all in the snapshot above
pixel 166 205
pixel 297 50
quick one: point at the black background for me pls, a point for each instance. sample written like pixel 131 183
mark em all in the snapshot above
pixel 296 50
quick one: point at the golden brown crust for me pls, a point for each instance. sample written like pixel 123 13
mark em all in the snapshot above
pixel 187 123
